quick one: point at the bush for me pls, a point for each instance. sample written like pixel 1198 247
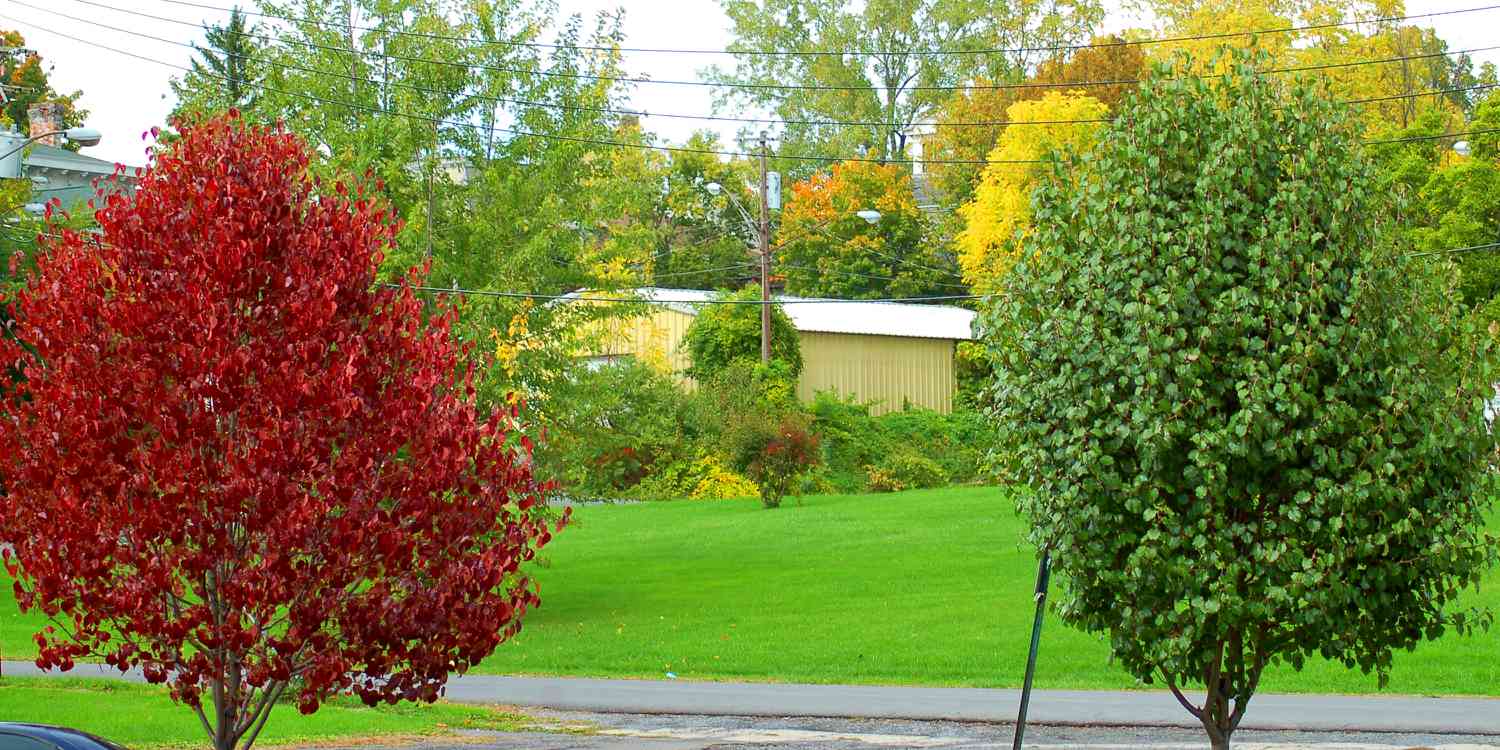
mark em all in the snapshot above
pixel 958 442
pixel 774 453
pixel 854 442
pixel 706 477
pixel 722 335
pixel 612 427
pixel 763 430
pixel 849 438
pixel 905 470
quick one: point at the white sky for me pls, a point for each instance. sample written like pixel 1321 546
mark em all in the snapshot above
pixel 127 96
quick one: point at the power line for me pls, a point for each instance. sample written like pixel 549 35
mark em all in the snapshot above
pixel 1435 137
pixel 576 297
pixel 1458 250
pixel 510 131
pixel 696 272
pixel 566 138
pixel 799 300
pixel 857 274
pixel 857 52
pixel 630 112
pixel 552 136
pixel 772 86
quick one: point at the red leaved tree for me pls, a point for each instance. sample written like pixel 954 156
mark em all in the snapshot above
pixel 242 465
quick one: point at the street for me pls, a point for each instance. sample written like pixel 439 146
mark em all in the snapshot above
pixel 568 730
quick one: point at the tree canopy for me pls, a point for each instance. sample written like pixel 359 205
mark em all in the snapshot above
pixel 1253 426
pixel 998 218
pixel 825 249
pixel 881 73
pixel 725 335
pixel 300 494
pixel 225 74
pixel 27 80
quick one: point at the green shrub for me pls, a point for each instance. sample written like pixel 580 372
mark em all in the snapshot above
pixel 850 439
pixel 905 470
pixel 612 427
pixel 853 441
pixel 762 429
pixel 957 441
pixel 722 335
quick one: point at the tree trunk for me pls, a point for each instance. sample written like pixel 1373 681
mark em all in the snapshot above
pixel 1218 717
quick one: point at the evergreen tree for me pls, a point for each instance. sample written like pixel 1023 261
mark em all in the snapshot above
pixel 226 73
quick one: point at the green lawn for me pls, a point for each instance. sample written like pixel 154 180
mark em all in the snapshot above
pixel 138 716
pixel 929 587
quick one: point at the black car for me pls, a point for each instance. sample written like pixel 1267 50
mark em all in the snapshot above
pixel 42 737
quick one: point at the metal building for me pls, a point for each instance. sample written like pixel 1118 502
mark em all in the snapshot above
pixel 889 353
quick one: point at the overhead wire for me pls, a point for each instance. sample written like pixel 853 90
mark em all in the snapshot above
pixel 857 274
pixel 577 297
pixel 860 52
pixel 646 113
pixel 776 86
pixel 1432 137
pixel 566 138
pixel 495 129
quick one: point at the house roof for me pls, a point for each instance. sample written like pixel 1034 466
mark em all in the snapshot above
pixel 862 318
pixel 49 157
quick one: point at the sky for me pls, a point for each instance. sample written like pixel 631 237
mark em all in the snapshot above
pixel 127 96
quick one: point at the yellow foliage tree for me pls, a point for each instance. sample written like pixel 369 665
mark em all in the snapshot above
pixel 959 138
pixel 1349 54
pixel 1000 211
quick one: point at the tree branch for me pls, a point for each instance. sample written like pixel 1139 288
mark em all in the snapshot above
pixel 257 718
pixel 203 717
pixel 1194 710
pixel 274 695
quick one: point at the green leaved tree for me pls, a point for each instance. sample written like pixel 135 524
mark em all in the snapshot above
pixel 28 81
pixel 1252 423
pixel 226 73
pixel 877 65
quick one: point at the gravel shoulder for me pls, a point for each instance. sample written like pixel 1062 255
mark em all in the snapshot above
pixel 584 730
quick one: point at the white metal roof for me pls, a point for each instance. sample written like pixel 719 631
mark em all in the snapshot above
pixel 864 318
pixel 42 156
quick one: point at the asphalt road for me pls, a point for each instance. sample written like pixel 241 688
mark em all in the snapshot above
pixel 1316 713
pixel 1071 707
pixel 593 731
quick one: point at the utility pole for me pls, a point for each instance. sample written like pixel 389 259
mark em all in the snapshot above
pixel 765 258
pixel 353 56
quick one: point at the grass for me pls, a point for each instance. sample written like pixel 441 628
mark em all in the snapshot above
pixel 921 588
pixel 139 716
pixel 925 588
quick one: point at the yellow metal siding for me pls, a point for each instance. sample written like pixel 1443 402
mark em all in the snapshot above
pixel 893 370
pixel 655 338
pixel 889 370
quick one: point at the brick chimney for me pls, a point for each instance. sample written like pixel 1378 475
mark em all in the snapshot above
pixel 45 117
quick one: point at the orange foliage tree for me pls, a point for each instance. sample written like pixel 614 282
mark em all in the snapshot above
pixel 825 249
pixel 958 137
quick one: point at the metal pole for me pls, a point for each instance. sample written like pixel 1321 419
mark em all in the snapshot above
pixel 765 260
pixel 1043 574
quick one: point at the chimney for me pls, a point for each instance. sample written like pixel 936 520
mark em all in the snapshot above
pixel 45 117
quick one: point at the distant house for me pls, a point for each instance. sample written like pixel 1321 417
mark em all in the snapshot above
pixel 69 176
pixel 892 354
